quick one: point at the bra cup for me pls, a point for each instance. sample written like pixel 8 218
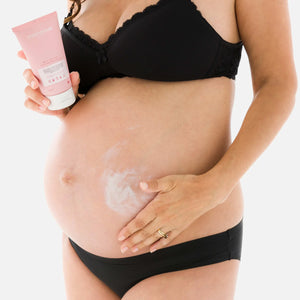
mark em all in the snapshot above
pixel 168 50
pixel 167 41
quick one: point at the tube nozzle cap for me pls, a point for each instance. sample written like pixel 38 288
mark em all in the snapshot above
pixel 62 100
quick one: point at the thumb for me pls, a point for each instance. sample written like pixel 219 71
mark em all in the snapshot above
pixel 75 80
pixel 162 184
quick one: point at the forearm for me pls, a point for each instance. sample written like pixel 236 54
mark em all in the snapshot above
pixel 269 110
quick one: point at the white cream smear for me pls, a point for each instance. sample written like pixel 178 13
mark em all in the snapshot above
pixel 122 193
pixel 121 187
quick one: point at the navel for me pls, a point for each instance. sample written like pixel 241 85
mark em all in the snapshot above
pixel 66 177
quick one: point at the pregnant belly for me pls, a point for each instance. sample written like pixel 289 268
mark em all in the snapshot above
pixel 106 146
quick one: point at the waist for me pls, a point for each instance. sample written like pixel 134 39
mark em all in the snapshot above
pixel 112 139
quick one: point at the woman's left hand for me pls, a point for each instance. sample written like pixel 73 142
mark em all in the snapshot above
pixel 181 199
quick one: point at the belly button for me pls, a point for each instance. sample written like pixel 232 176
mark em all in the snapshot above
pixel 66 177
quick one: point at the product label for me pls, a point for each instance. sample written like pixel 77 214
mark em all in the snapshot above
pixel 35 34
pixel 54 73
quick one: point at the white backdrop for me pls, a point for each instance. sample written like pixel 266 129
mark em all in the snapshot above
pixel 31 263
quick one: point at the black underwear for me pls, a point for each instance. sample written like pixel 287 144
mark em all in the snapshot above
pixel 120 274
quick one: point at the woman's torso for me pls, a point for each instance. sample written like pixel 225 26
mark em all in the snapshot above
pixel 128 129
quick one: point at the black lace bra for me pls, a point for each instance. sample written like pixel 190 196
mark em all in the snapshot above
pixel 167 41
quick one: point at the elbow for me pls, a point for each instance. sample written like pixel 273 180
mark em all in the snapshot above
pixel 290 88
pixel 284 89
pixel 278 92
pixel 287 84
pixel 292 85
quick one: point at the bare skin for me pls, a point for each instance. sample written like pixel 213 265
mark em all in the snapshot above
pixel 141 113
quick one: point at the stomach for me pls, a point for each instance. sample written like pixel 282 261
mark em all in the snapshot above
pixel 126 130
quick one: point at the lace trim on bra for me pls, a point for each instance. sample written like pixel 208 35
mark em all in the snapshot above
pixel 83 37
pixel 86 38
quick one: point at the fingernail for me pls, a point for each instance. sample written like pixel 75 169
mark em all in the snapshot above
pixel 124 249
pixel 33 84
pixel 152 250
pixel 135 249
pixel 42 108
pixel 46 102
pixel 144 185
pixel 121 238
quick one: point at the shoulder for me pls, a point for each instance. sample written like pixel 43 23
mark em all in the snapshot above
pixel 265 29
pixel 69 4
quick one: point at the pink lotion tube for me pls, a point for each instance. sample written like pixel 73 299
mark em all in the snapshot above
pixel 42 44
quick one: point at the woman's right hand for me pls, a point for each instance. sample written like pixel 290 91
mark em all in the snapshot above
pixel 38 102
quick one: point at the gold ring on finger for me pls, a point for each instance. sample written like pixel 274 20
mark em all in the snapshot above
pixel 162 234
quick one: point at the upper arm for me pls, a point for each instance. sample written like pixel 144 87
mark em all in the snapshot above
pixel 264 27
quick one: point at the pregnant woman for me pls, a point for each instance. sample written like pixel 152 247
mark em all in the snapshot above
pixel 143 177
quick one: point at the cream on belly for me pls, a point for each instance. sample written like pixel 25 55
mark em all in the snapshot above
pixel 121 186
pixel 121 191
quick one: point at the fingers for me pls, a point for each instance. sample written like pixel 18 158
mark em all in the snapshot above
pixel 75 80
pixel 147 242
pixel 34 83
pixel 30 104
pixel 163 242
pixel 33 105
pixel 21 54
pixel 142 238
pixel 36 96
pixel 35 100
pixel 30 78
pixel 139 222
pixel 164 184
pixel 148 236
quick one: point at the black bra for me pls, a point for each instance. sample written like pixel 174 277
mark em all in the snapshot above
pixel 167 41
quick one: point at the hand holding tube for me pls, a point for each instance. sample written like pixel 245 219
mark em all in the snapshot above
pixel 35 100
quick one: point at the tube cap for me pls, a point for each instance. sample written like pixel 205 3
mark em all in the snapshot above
pixel 62 100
